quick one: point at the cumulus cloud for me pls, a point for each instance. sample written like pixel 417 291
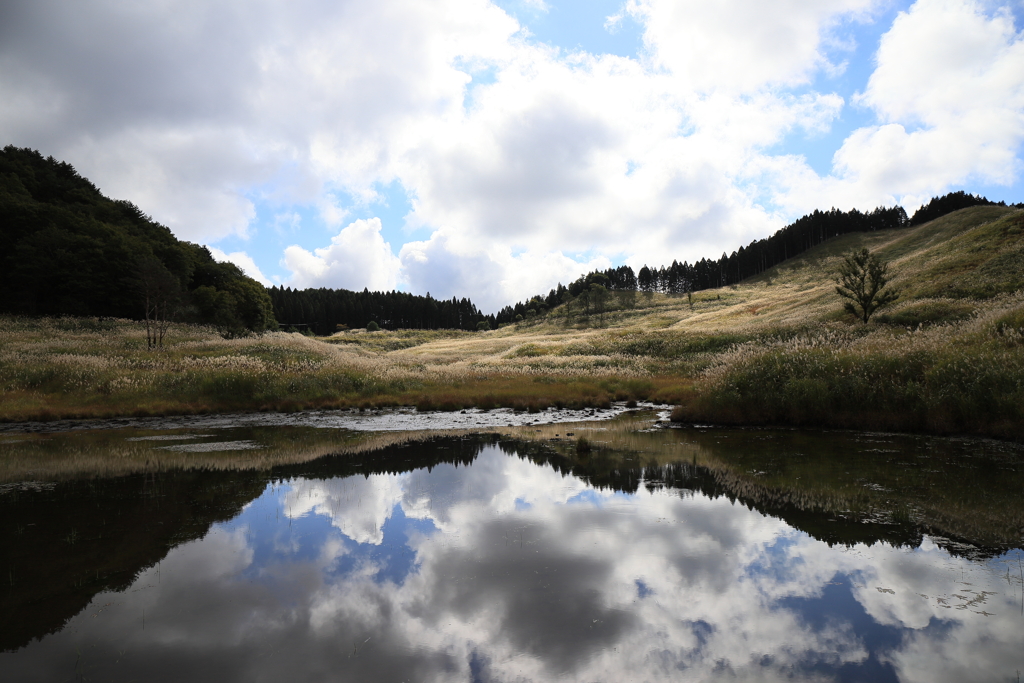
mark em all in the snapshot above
pixel 446 269
pixel 358 507
pixel 949 88
pixel 243 261
pixel 357 258
pixel 741 45
pixel 185 110
pixel 587 156
pixel 948 91
pixel 517 157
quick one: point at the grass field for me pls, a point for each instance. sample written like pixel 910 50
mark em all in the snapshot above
pixel 948 357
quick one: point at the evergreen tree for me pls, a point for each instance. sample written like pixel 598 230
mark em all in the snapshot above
pixel 863 279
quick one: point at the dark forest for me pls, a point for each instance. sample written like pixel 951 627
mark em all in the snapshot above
pixel 65 249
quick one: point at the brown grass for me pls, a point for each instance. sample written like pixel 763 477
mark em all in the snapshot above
pixel 961 276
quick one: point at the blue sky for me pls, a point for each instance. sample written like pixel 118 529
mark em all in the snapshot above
pixel 491 149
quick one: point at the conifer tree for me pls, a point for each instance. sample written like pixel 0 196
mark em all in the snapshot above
pixel 863 279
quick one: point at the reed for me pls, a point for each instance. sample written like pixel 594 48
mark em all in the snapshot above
pixel 959 377
pixel 58 368
pixel 775 349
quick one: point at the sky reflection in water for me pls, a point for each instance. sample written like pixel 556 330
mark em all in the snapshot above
pixel 507 570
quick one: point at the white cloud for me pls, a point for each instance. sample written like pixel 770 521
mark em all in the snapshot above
pixel 287 222
pixel 182 109
pixel 537 5
pixel 199 116
pixel 492 278
pixel 949 93
pixel 741 45
pixel 587 155
pixel 243 261
pixel 357 258
pixel 432 266
pixel 359 507
pixel 187 179
pixel 949 88
pixel 613 22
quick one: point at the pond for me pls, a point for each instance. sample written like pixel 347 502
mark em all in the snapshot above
pixel 618 550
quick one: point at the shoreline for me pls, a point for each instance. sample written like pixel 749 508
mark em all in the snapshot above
pixel 401 419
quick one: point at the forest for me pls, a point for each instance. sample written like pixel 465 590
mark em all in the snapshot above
pixel 326 311
pixel 66 249
pixel 69 250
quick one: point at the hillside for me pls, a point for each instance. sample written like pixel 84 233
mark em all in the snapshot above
pixel 777 348
pixel 66 249
pixel 947 269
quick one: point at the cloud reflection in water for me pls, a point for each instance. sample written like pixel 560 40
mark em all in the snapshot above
pixel 506 570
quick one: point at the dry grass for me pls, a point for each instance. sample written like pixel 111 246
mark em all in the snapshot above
pixel 769 349
pixel 958 377
pixel 87 368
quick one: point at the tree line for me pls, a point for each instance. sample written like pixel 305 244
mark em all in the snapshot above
pixel 755 258
pixel 325 311
pixel 66 249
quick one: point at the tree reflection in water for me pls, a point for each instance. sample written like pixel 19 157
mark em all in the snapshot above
pixel 490 558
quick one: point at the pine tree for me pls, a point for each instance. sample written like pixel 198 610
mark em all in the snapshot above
pixel 862 279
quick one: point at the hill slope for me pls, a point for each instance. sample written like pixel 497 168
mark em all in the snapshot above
pixel 777 348
pixel 65 249
pixel 946 269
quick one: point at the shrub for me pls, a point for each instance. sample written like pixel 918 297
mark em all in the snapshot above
pixel 927 312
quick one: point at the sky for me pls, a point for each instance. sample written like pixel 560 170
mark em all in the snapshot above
pixel 491 149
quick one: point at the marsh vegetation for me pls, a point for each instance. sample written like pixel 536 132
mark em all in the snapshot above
pixel 778 348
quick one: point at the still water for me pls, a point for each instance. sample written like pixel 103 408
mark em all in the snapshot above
pixel 645 556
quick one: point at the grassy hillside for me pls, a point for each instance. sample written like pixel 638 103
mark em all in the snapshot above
pixel 948 357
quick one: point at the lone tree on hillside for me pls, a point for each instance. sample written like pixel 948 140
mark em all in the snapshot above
pixel 862 279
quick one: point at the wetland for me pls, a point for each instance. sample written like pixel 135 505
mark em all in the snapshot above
pixel 612 547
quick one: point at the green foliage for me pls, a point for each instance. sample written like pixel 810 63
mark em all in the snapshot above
pixel 217 307
pixel 529 351
pixel 68 250
pixel 940 206
pixel 929 311
pixel 161 296
pixel 483 326
pixel 372 327
pixel 863 279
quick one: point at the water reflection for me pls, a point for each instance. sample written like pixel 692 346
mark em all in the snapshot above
pixel 481 559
